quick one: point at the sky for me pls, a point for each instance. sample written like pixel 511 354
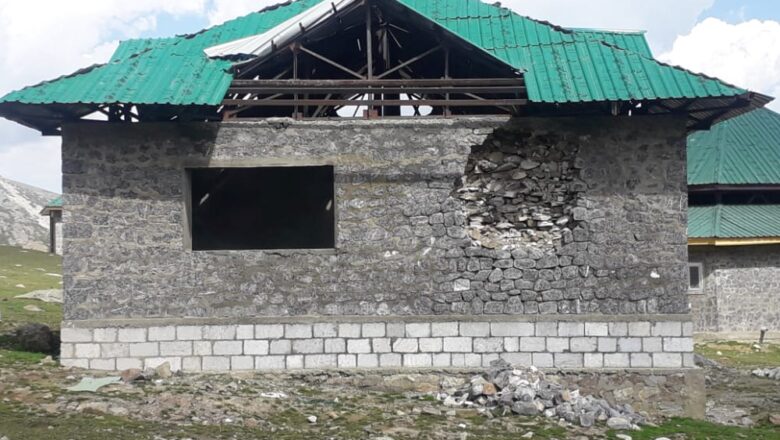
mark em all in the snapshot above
pixel 735 40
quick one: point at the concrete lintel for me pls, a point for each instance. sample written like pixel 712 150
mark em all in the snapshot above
pixel 157 322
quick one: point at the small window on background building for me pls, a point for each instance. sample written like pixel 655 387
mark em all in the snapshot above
pixel 262 208
pixel 695 277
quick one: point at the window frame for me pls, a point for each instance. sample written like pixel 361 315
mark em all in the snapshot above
pixel 696 290
pixel 186 174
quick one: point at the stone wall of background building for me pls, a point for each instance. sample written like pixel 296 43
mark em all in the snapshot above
pixel 741 288
pixel 552 216
pixel 446 217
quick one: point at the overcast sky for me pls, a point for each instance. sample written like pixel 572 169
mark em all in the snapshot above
pixel 736 40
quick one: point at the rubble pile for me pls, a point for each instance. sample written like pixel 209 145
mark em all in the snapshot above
pixel 769 373
pixel 526 392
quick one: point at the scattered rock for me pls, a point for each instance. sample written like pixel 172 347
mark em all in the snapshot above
pixel 619 423
pixel 623 437
pixel 312 419
pixel 702 361
pixel 33 308
pixel 163 371
pixel 768 373
pixel 774 419
pixel 36 338
pixel 132 375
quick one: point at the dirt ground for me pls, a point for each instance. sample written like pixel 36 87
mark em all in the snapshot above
pixel 34 404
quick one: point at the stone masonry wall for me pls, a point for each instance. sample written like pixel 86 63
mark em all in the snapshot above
pixel 741 288
pixel 449 217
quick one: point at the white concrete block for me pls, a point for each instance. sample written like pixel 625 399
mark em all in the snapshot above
pixel 687 329
pixel 256 348
pixel 583 344
pixel 618 329
pixel 269 331
pixel 202 348
pixel 76 334
pixel 546 329
pixel 418 330
pixel 638 329
pixel 349 330
pixel 104 335
pixel 629 345
pixel 557 345
pixel 617 360
pixel 370 360
pixel 308 346
pixel 178 348
pixel 226 348
pixel 472 360
pixel 571 329
pixel 480 329
pixel 131 335
pixel 355 346
pixel 335 345
pixel 269 363
pixel 102 364
pixel 316 361
pixel 458 345
pixel 678 345
pixel 431 345
pixel 297 331
pixel 512 329
pixel 144 349
pixel 167 333
pixel 596 329
pixel 115 350
pixel 511 344
pixel 405 345
pixel 488 345
pixel 191 364
pixel 127 363
pixel 641 360
pixel 280 346
pixel 216 363
pixel 667 329
pixel 347 361
pixel 390 360
pixel 174 362
pixel 439 329
pixel 294 362
pixel 219 332
pixel 518 359
pixel 189 333
pixel 487 358
pixel 242 363
pixel 67 350
pixel 532 344
pixel 569 360
pixel 245 332
pixel 395 330
pixel 419 360
pixel 593 360
pixel 75 363
pixel 667 360
pixel 374 330
pixel 326 330
pixel 381 345
pixel 442 360
pixel 607 345
pixel 652 345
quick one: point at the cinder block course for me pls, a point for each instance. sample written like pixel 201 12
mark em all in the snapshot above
pixel 557 345
pixel 395 330
pixel 114 350
pixel 593 360
pixel 629 345
pixel 532 344
pixel 390 360
pixel 67 350
pixel 318 361
pixel 430 345
pixel 347 360
pixel 102 364
pixel 216 363
pixel 523 359
pixel 641 360
pixel 418 330
pixel 294 362
pixel 245 332
pixel 546 329
pixel 335 345
pixel 543 360
pixel 488 345
pixel 678 345
pixel 667 360
pixel 381 345
pixel 325 330
pixel 511 344
pixel 154 362
pixel 607 345
pixel 350 330
pixel 242 363
pixel 418 360
pixel 687 329
pixel 639 329
pixel 167 333
pixel 202 348
pixel 568 360
pixel 368 360
pixel 618 329
pixel 652 345
pixel 280 346
pixel 190 364
pixel 219 332
pixel 616 360
pixel 583 345
pixel 131 335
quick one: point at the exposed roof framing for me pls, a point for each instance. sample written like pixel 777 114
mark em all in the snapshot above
pixel 563 70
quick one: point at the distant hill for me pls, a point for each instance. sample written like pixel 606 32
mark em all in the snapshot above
pixel 21 224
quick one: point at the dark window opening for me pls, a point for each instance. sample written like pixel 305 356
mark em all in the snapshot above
pixel 262 208
pixel 695 276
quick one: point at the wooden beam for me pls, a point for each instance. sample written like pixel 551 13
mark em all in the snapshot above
pixel 409 61
pixel 332 63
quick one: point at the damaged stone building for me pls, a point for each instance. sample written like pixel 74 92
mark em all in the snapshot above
pixel 378 184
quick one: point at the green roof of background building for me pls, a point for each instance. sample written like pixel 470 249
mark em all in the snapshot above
pixel 560 65
pixel 741 151
pixel 734 221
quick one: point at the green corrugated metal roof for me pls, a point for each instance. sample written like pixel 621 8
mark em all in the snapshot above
pixel 734 221
pixel 634 41
pixel 560 65
pixel 741 151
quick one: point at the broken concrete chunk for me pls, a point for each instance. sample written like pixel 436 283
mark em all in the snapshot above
pixel 92 384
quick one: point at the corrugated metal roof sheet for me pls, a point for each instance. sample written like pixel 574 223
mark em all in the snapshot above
pixel 734 221
pixel 560 65
pixel 741 151
pixel 634 41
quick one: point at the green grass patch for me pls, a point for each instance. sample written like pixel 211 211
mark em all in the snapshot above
pixel 688 429
pixel 35 271
pixel 17 358
pixel 741 355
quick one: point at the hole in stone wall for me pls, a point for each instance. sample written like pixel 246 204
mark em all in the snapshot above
pixel 262 208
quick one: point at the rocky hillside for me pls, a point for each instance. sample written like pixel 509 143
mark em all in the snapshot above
pixel 20 221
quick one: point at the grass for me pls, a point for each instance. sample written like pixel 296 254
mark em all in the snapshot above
pixel 688 429
pixel 740 355
pixel 32 270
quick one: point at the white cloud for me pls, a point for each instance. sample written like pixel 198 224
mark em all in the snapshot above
pixel 662 19
pixel 36 162
pixel 745 54
pixel 224 10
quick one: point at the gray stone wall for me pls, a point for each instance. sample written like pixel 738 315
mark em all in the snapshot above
pixel 448 217
pixel 741 288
